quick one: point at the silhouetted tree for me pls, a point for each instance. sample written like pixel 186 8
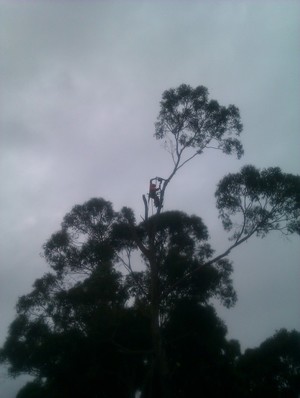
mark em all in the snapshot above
pixel 90 329
pixel 85 327
pixel 272 369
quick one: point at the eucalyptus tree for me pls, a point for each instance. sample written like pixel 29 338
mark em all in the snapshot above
pixel 120 288
pixel 262 201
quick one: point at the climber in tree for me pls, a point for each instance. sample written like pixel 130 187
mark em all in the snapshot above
pixel 154 190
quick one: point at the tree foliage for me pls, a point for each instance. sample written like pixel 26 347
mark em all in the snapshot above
pixel 127 306
pixel 273 368
pixel 263 200
pixel 189 120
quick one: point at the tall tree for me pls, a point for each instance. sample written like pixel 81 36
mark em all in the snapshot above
pixel 190 123
pixel 144 327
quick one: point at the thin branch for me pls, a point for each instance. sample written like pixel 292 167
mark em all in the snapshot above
pixel 208 263
pixel 243 226
pixel 132 273
pixel 137 239
pixel 146 207
pixel 187 160
pixel 212 147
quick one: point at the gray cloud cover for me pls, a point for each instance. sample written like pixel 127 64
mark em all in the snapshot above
pixel 80 89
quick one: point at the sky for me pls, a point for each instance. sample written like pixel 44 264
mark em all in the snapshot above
pixel 80 85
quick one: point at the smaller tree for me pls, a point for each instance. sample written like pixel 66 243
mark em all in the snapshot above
pixel 272 369
pixel 201 359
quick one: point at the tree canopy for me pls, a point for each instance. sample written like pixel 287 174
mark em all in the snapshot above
pixel 126 306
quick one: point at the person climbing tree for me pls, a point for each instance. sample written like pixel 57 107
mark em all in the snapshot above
pixel 154 190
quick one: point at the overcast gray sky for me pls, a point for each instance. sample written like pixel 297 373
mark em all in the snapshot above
pixel 80 89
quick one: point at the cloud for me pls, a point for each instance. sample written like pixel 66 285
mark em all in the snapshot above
pixel 80 92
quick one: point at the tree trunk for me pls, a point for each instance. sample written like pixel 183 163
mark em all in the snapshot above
pixel 159 384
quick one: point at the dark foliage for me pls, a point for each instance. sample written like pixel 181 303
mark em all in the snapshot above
pixel 188 119
pixel 83 329
pixel 272 369
pixel 126 306
pixel 257 202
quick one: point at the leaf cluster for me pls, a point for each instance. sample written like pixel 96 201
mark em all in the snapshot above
pixel 188 119
pixel 257 201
